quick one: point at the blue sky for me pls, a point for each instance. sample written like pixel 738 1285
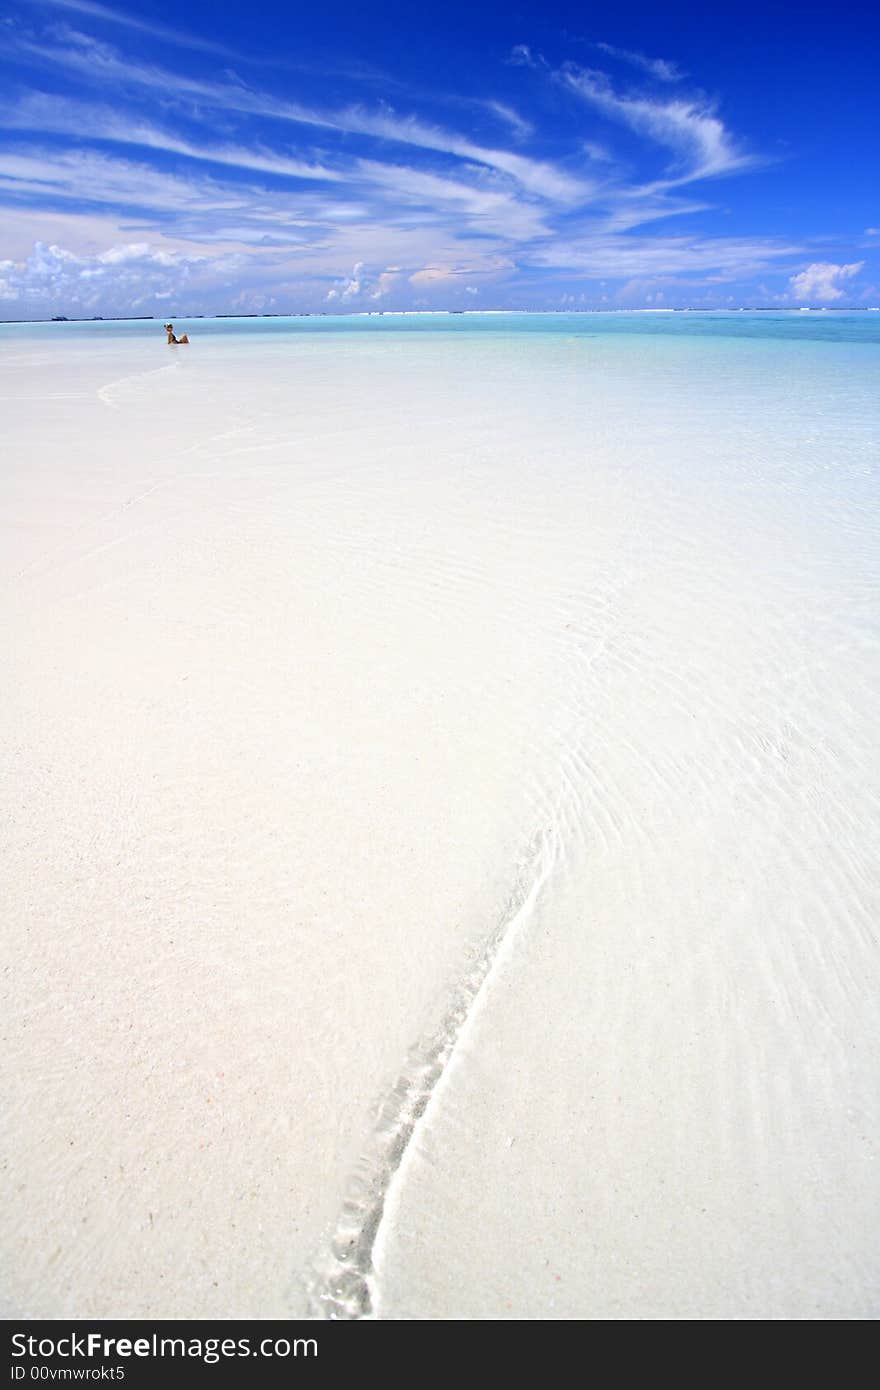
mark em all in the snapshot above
pixel 283 157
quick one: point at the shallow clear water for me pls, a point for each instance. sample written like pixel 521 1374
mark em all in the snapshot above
pixel 459 729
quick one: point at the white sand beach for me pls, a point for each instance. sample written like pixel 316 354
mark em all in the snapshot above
pixel 440 826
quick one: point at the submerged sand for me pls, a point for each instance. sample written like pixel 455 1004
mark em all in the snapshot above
pixel 439 827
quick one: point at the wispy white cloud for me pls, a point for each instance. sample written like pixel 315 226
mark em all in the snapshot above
pixel 201 209
pixel 600 153
pixel 105 13
pixel 184 38
pixel 660 68
pixel 85 176
pixel 538 177
pixel 521 128
pixel 482 202
pixel 102 63
pixel 49 114
pixel 438 276
pixel 689 126
pixel 637 207
pixel 601 255
pixel 823 281
pixel 522 56
pixel 488 208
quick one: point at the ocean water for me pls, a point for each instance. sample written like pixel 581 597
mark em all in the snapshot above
pixel 823 325
pixel 458 731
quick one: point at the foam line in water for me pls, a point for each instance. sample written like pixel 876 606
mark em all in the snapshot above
pixel 344 1286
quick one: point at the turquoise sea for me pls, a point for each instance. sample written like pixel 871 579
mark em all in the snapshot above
pixel 825 325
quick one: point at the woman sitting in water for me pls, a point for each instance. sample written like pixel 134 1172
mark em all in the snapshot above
pixel 172 341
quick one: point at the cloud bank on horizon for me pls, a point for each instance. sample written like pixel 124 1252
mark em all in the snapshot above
pixel 150 166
